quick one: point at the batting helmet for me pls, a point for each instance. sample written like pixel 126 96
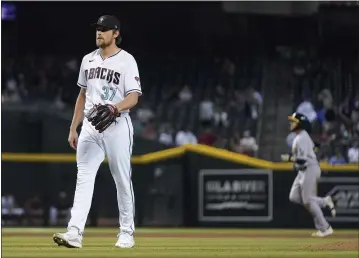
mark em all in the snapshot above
pixel 299 122
pixel 110 22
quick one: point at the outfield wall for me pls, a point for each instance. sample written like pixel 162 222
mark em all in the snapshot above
pixel 188 187
pixel 193 185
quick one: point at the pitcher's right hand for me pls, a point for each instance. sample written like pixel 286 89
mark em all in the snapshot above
pixel 73 138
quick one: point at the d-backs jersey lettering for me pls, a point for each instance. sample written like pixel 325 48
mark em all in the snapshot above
pixel 110 80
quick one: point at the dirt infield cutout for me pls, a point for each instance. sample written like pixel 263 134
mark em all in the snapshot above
pixel 337 246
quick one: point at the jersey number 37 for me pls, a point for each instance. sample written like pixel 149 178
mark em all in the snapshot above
pixel 108 93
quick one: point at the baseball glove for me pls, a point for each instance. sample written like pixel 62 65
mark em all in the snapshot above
pixel 102 116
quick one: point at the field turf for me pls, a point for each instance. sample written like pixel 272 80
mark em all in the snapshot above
pixel 176 243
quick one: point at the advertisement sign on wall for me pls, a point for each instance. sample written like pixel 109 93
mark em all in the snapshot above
pixel 237 195
pixel 345 194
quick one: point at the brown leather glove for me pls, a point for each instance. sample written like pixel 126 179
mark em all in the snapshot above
pixel 102 116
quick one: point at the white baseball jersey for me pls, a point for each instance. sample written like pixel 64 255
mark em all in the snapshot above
pixel 108 81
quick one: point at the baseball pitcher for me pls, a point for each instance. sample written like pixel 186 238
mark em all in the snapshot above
pixel 305 162
pixel 110 87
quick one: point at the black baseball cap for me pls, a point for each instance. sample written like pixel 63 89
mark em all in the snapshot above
pixel 108 21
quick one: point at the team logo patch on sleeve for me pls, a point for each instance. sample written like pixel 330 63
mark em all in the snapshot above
pixel 138 80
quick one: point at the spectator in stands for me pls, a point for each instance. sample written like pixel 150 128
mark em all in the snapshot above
pixel 60 207
pixel 42 86
pixel 22 85
pixel 219 95
pixel 185 95
pixel 355 115
pixel 10 208
pixel 137 127
pixel 58 103
pixel 330 119
pixel 327 137
pixel 144 113
pixel 353 153
pixel 33 208
pixel 169 93
pixel 166 136
pixel 247 144
pixel 220 116
pixel 255 96
pixel 72 65
pixel 221 140
pixel 206 111
pixel 253 102
pixel 324 153
pixel 345 135
pixel 345 111
pixel 234 143
pixel 7 203
pixel 149 131
pixel 185 136
pixel 299 67
pixel 238 100
pixel 326 99
pixel 208 137
pixel 326 115
pixel 356 129
pixel 306 108
pixel 337 158
pixel 228 67
pixel 11 93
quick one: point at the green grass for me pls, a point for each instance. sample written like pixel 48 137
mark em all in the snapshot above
pixel 187 243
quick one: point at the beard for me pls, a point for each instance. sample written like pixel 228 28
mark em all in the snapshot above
pixel 103 43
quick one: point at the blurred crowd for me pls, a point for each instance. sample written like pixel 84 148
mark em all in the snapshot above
pixel 335 127
pixel 327 93
pixel 209 104
pixel 215 120
pixel 31 211
pixel 32 79
pixel 215 102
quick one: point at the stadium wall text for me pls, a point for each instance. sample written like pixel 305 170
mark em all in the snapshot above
pixel 193 185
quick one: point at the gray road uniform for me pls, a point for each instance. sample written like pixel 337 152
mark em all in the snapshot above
pixel 304 188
